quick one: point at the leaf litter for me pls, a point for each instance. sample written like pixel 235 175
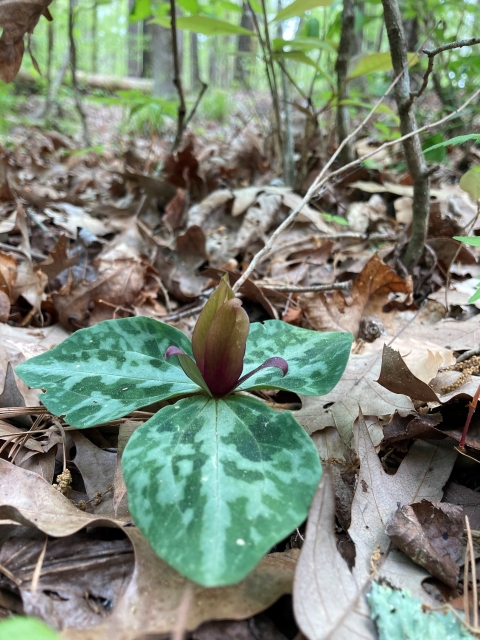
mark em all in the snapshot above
pixel 98 236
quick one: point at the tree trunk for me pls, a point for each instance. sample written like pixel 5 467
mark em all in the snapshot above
pixel 244 45
pixel 213 63
pixel 50 44
pixel 147 68
pixel 134 62
pixel 162 62
pixel 95 36
pixel 194 62
pixel 412 147
pixel 73 67
pixel 345 48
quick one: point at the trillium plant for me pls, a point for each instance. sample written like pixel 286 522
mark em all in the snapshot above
pixel 217 478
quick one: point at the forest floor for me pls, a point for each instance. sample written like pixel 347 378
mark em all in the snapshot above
pixel 99 234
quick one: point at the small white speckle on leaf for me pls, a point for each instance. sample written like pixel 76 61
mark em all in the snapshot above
pixel 240 542
pixel 125 389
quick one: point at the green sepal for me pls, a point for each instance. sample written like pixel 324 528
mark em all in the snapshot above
pixel 213 484
pixel 316 360
pixel 104 372
pixel 192 371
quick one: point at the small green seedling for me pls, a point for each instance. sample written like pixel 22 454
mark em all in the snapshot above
pixel 217 478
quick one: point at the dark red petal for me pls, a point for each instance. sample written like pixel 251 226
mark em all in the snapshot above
pixel 277 362
pixel 225 348
pixel 222 294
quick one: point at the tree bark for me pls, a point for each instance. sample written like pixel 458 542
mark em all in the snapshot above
pixel 244 45
pixel 134 63
pixel 73 67
pixel 161 61
pixel 345 50
pixel 194 62
pixel 95 36
pixel 412 147
pixel 147 69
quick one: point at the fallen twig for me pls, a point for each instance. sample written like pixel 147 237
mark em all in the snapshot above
pixel 321 179
pixel 345 286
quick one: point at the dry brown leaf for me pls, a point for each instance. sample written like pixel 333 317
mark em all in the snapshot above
pixel 58 259
pixel 8 277
pixel 467 498
pixel 150 603
pixel 17 17
pixel 370 293
pixel 82 576
pixel 117 289
pixel 120 503
pixel 326 596
pixel 457 335
pixel 431 534
pixel 357 389
pixel 98 470
pixel 190 255
pixel 397 377
pixel 30 284
pixel 421 476
pixel 71 218
pixel 360 215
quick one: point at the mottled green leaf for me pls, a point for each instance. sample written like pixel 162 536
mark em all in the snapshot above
pixel 106 371
pixel 214 484
pixel 316 360
pixel 19 628
pixel 398 616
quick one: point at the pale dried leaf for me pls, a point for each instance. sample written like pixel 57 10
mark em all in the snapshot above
pixel 328 601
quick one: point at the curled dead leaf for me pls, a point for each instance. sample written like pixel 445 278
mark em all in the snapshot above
pixel 431 534
pixel 150 603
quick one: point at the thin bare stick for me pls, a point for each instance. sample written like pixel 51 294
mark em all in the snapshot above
pixel 431 53
pixel 472 558
pixel 38 567
pixel 197 102
pixel 344 286
pixel 182 613
pixel 177 80
pixel 320 180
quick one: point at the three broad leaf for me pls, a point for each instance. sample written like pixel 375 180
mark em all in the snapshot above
pixel 214 484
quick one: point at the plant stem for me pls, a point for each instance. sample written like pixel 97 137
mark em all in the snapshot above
pixel 177 80
pixel 412 146
pixel 471 410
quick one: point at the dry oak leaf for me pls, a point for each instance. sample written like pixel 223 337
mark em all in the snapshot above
pixel 150 603
pixel 8 276
pixel 370 292
pixel 17 17
pixel 58 259
pixel 431 534
pixel 421 476
pixel 118 287
pixel 82 575
pixel 327 599
pixel 397 377
pixel 357 390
